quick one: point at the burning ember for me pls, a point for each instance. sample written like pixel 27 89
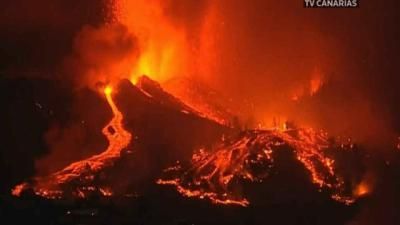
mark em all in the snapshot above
pixel 85 171
pixel 214 174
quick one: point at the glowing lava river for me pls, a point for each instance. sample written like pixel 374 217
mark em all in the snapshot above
pixel 85 170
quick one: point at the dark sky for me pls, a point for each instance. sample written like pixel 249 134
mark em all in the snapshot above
pixel 36 35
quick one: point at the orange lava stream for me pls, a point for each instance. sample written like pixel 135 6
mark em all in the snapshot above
pixel 85 170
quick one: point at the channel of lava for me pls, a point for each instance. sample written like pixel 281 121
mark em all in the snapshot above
pixel 215 173
pixel 85 170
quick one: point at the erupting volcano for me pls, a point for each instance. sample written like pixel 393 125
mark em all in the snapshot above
pixel 198 112
pixel 218 173
pixel 142 40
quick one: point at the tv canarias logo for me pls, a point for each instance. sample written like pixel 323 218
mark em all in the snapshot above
pixel 331 3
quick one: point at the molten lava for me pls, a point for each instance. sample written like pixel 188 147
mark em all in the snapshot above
pixel 216 173
pixel 84 171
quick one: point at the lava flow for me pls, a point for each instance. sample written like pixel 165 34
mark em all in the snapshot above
pixel 84 171
pixel 216 174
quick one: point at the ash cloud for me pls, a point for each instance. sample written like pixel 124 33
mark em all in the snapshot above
pixel 104 54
